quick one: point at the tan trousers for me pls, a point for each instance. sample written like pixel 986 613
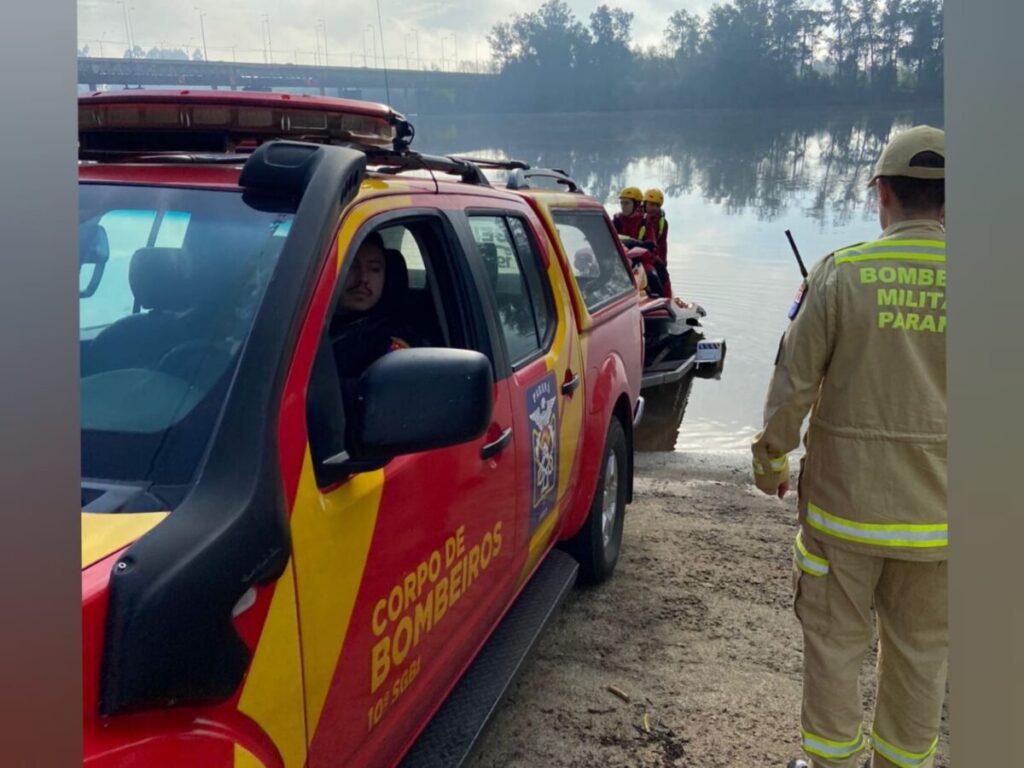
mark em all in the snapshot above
pixel 834 608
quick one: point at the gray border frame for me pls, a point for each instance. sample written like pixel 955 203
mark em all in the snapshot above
pixel 984 61
pixel 40 644
pixel 39 404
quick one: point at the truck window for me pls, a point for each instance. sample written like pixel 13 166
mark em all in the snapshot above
pixel 127 230
pixel 524 307
pixel 530 258
pixel 162 317
pixel 420 310
pixel 402 240
pixel 597 265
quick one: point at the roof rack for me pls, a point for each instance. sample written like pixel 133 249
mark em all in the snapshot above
pixel 386 161
pixel 483 162
pixel 407 160
pixel 520 178
pixel 128 156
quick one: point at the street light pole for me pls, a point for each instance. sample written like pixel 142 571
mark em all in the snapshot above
pixel 127 29
pixel 263 34
pixel 131 29
pixel 270 45
pixel 373 41
pixel 202 31
pixel 323 28
pixel 455 53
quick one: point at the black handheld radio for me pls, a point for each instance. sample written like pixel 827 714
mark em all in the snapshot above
pixel 799 261
pixel 793 310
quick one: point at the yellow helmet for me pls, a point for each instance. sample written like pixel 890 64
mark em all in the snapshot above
pixel 654 196
pixel 631 193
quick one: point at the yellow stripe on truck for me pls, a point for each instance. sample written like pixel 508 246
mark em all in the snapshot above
pixel 361 211
pixel 246 759
pixel 273 688
pixel 331 537
pixel 562 357
pixel 103 534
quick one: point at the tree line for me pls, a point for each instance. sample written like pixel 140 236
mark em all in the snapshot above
pixel 741 53
pixel 811 159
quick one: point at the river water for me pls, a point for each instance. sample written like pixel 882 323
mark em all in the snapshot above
pixel 734 181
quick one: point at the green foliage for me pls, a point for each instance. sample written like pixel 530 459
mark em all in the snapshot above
pixel 741 53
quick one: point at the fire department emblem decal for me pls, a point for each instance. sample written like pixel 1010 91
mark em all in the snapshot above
pixel 542 408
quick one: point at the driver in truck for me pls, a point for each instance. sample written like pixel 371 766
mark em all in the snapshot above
pixel 368 323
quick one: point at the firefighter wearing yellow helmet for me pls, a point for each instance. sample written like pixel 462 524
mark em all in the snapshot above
pixel 655 230
pixel 630 218
pixel 866 355
pixel 655 197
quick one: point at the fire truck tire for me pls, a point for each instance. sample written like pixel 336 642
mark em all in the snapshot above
pixel 596 546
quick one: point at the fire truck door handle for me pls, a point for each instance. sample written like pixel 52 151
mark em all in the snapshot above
pixel 494 448
pixel 570 386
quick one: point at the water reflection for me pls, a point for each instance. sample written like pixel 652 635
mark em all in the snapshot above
pixel 734 181
pixel 744 161
pixel 664 409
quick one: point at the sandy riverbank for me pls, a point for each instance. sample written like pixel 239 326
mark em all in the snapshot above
pixel 696 628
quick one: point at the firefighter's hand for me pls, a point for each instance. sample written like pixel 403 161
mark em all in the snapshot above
pixel 766 486
pixel 774 481
pixel 779 490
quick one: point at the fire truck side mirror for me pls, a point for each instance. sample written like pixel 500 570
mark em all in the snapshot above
pixel 415 400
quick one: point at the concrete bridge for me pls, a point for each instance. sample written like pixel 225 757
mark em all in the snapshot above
pixel 418 91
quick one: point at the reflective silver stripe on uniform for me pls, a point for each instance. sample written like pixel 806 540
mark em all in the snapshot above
pixel 806 562
pixel 776 465
pixel 894 247
pixel 898 535
pixel 837 750
pixel 896 250
pixel 901 757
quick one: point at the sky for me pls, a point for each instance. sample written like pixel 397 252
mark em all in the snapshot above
pixel 456 29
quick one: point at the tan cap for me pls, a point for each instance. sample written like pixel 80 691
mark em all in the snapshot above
pixel 895 158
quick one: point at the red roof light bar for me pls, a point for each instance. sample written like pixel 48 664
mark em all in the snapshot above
pixel 249 117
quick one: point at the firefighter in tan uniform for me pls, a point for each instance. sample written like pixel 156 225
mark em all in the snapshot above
pixel 866 356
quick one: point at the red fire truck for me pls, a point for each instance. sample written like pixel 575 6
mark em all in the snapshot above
pixel 286 562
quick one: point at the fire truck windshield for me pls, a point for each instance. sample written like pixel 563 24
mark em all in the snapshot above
pixel 169 283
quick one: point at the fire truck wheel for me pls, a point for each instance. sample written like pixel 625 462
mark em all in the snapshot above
pixel 597 545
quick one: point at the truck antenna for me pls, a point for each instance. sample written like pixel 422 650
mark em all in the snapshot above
pixel 383 57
